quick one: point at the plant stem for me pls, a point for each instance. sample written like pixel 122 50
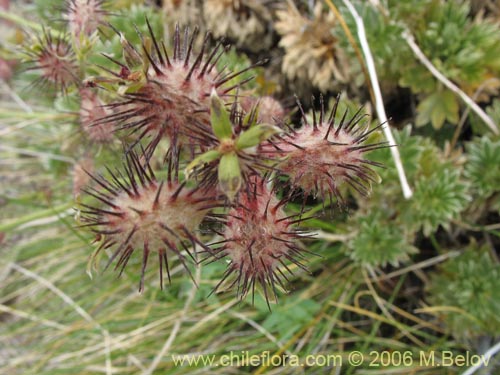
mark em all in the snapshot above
pixel 379 102
pixel 353 43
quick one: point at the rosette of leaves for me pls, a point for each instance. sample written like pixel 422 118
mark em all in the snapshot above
pixel 466 291
pixel 482 166
pixel 378 242
pixel 440 191
pixel 438 198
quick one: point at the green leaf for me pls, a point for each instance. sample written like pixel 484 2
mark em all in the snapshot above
pixel 255 135
pixel 204 158
pixel 221 123
pixel 436 108
pixel 230 175
pixel 418 79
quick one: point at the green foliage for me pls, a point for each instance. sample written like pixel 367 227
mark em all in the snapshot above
pixel 482 167
pixel 494 111
pixel 436 108
pixel 464 50
pixel 290 317
pixel 478 126
pixel 438 198
pixel 411 148
pixel 235 62
pixel 453 40
pixel 46 8
pixel 440 192
pixel 378 242
pixel 471 284
pixel 136 16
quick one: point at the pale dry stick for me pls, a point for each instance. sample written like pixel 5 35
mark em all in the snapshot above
pixel 435 310
pixel 408 37
pixel 353 43
pixel 69 301
pixel 374 294
pixel 481 228
pixel 177 326
pixel 379 103
pixel 20 360
pixel 417 266
pixel 414 318
pixel 387 317
pixel 306 338
pixel 490 353
pixel 370 314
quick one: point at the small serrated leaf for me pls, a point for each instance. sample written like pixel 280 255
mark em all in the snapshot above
pixel 436 108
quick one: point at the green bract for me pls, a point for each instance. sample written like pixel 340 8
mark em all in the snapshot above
pixel 233 154
pixel 206 157
pixel 221 123
pixel 229 174
pixel 256 135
